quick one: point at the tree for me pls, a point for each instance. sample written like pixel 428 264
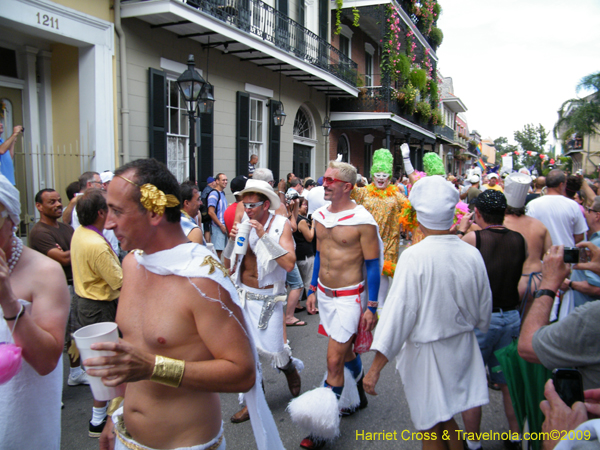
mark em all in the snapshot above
pixel 531 142
pixel 580 116
pixel 503 147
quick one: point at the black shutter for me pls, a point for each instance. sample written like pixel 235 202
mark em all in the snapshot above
pixel 205 152
pixel 157 124
pixel 242 133
pixel 274 142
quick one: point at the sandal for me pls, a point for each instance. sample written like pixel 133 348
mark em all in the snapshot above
pixel 300 309
pixel 297 323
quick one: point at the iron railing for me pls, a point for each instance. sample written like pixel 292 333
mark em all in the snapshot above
pixel 378 99
pixel 258 18
pixel 445 131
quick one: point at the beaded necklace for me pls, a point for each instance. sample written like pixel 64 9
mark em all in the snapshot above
pixel 16 250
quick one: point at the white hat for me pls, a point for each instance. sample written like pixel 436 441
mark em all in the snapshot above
pixel 435 200
pixel 262 187
pixel 516 188
pixel 474 179
pixel 106 176
pixel 9 197
pixel 316 199
pixel 493 175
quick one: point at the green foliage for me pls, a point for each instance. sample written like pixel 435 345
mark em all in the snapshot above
pixel 403 66
pixel 580 116
pixel 407 96
pixel 356 16
pixel 437 9
pixel 436 117
pixel 423 109
pixel 432 87
pixel 418 78
pixel 566 163
pixel 338 16
pixel 436 37
pixel 532 138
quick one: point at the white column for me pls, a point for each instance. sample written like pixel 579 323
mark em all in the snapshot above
pixel 96 112
pixel 31 121
pixel 46 137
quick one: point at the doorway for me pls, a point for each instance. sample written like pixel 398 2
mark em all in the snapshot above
pixel 301 164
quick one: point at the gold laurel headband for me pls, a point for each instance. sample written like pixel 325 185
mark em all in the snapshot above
pixel 153 199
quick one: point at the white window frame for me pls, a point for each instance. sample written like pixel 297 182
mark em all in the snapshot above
pixel 309 141
pixel 347 33
pixel 173 164
pixel 259 146
pixel 369 50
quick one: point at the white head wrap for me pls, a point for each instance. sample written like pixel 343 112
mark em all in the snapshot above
pixel 516 188
pixel 435 200
pixel 9 197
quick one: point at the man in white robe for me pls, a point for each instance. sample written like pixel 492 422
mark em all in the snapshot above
pixel 432 310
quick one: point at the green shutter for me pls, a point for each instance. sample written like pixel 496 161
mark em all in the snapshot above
pixel 157 123
pixel 242 133
pixel 205 153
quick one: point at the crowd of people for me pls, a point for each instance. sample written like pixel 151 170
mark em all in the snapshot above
pixel 198 312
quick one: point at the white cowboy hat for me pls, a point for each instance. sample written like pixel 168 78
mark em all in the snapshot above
pixel 262 187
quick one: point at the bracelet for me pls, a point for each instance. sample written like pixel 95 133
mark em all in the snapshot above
pixel 18 316
pixel 570 283
pixel 167 371
pixel 282 193
pixel 462 233
pixel 113 405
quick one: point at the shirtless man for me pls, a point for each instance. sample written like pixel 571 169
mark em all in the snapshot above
pixel 176 302
pixel 535 233
pixel 338 272
pixel 34 301
pixel 260 275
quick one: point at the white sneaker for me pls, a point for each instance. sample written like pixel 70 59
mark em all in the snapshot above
pixel 82 378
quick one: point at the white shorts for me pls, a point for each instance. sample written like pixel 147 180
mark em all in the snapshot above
pixel 340 315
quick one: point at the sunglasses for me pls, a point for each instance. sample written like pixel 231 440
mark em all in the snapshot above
pixel 590 210
pixel 329 180
pixel 252 205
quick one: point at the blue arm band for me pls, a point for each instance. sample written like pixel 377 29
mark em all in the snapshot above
pixel 373 280
pixel 316 268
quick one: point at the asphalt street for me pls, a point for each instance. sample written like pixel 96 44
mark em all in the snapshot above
pixel 386 412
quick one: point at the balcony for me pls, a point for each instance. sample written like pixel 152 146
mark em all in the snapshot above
pixel 377 99
pixel 273 36
pixel 445 131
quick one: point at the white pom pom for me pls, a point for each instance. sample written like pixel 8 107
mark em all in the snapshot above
pixel 317 413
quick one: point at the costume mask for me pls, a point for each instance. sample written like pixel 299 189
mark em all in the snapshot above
pixel 381 180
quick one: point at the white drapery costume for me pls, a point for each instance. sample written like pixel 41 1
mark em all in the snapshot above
pixel 432 310
pixel 196 261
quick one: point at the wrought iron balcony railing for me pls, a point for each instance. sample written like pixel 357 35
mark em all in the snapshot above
pixel 262 20
pixel 445 131
pixel 378 99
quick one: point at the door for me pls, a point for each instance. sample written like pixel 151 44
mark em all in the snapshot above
pixel 301 164
pixel 13 115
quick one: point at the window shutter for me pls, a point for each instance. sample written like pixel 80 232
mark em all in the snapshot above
pixel 242 133
pixel 157 139
pixel 205 153
pixel 274 142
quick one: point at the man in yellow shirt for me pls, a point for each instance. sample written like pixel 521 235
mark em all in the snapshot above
pixel 97 276
pixel 492 183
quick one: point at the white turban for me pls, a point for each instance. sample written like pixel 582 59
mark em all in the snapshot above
pixel 9 197
pixel 435 200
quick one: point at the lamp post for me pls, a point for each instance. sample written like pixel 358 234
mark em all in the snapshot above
pixel 279 115
pixel 326 127
pixel 190 84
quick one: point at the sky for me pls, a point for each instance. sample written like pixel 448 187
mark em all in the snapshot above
pixel 514 62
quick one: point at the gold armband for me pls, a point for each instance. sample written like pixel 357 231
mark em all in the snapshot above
pixel 168 371
pixel 113 405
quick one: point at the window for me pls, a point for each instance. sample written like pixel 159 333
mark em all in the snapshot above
pixel 368 70
pixel 345 45
pixel 177 132
pixel 343 148
pixel 257 129
pixel 303 125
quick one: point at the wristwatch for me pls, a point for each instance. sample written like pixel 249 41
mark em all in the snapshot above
pixel 541 292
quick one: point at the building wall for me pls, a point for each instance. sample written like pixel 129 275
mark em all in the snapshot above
pixel 228 74
pixel 102 9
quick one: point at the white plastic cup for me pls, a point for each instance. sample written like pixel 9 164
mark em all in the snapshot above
pixel 241 239
pixel 93 334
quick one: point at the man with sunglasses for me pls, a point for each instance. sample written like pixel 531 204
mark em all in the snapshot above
pixel 260 276
pixel 584 283
pixel 347 241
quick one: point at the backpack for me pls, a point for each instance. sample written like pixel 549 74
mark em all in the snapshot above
pixel 204 208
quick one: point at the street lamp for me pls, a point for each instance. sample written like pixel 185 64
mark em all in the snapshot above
pixel 326 127
pixel 278 115
pixel 190 84
pixel 207 96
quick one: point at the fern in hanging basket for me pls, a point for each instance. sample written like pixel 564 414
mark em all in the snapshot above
pixel 423 109
pixel 436 37
pixel 418 78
